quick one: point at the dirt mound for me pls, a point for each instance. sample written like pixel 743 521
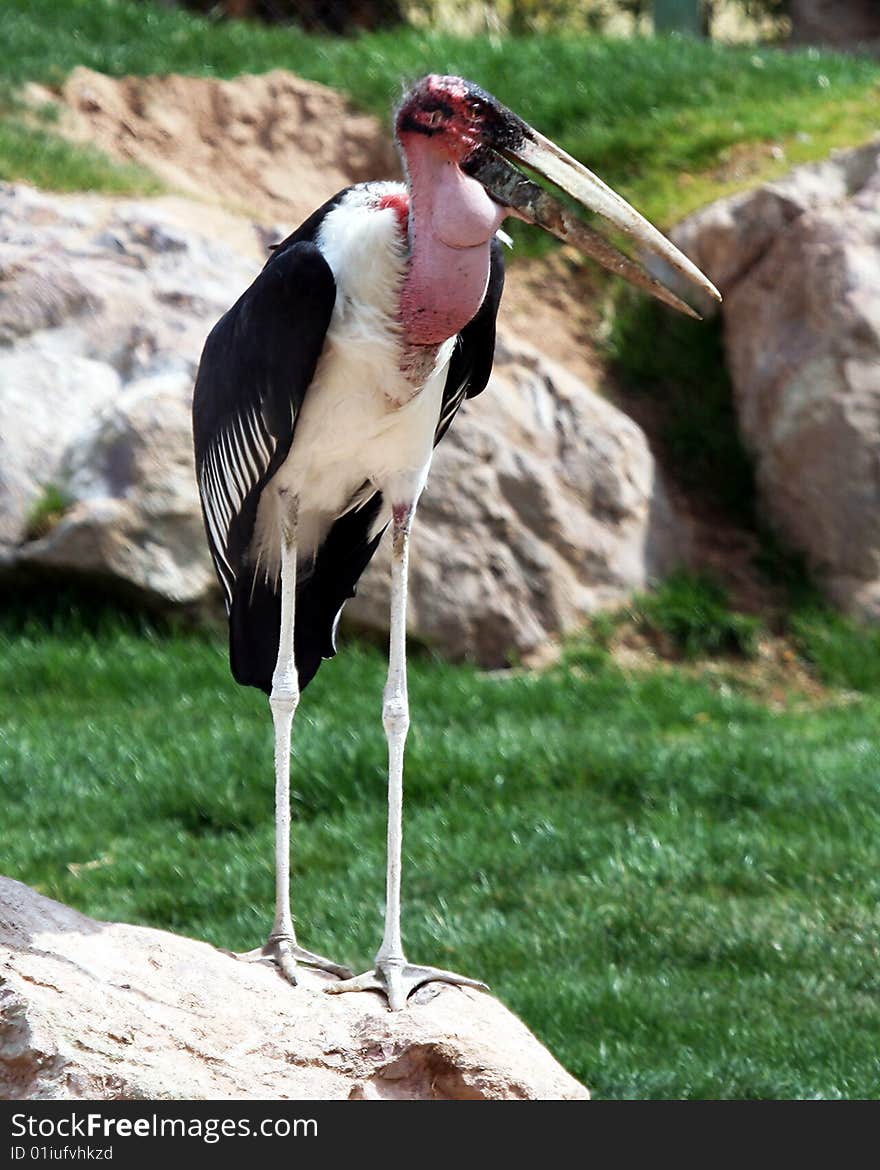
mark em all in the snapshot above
pixel 271 146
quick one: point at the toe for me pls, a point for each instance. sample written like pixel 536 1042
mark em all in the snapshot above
pixel 285 960
pixel 365 982
pixel 438 975
pixel 310 959
pixel 397 993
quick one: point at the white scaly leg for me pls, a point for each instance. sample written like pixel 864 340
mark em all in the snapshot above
pixel 392 974
pixel 395 720
pixel 281 947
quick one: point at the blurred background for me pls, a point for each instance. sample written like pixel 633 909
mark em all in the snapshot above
pixel 642 778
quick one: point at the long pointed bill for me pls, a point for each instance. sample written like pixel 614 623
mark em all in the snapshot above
pixel 511 187
pixel 566 172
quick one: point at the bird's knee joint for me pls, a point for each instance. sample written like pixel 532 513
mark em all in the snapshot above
pixel 390 959
pixel 395 715
pixel 284 698
pixel 402 515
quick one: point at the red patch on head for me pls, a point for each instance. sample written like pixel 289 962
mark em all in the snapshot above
pixel 399 204
pixel 443 110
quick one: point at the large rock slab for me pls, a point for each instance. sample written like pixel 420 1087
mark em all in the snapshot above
pixel 544 503
pixel 104 308
pixel 105 1011
pixel 798 262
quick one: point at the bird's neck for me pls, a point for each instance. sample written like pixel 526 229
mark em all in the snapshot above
pixel 451 224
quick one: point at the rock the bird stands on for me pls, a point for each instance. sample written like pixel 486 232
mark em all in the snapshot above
pixel 322 393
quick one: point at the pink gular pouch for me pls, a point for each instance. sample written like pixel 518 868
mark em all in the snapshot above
pixel 452 224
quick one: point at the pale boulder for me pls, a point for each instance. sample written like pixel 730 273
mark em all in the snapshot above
pixel 544 504
pixel 799 264
pixel 136 521
pixel 104 308
pixel 104 1011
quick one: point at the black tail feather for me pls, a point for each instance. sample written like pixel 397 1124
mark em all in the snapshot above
pixel 255 615
pixel 254 623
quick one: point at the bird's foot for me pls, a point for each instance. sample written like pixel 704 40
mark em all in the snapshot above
pixel 284 952
pixel 397 979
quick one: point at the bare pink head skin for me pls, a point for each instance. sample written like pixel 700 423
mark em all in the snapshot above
pixel 452 219
pixel 453 137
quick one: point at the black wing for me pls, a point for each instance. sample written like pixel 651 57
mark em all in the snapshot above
pixel 255 368
pixel 474 351
pixel 257 365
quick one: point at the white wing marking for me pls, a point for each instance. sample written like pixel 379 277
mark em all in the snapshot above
pixel 243 450
pixel 230 480
pixel 221 499
pixel 454 403
pixel 234 463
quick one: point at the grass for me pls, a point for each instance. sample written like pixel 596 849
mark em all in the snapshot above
pixel 658 118
pixel 46 511
pixel 675 887
pixel 690 615
pixel 844 652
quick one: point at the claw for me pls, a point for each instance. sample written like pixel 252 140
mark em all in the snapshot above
pixel 398 980
pixel 284 953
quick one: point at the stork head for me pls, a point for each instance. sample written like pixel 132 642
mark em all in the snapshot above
pixel 458 116
pixel 456 137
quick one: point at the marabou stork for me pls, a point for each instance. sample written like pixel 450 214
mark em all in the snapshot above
pixel 320 397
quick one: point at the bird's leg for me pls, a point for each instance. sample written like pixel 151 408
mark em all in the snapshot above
pixel 392 974
pixel 281 947
pixel 395 720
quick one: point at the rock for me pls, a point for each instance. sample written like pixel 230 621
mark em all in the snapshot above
pixel 104 308
pixel 799 264
pixel 104 1011
pixel 136 519
pixel 544 503
pixel 53 396
pixel 829 22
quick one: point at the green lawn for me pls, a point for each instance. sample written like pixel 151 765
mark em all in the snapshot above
pixel 675 886
pixel 656 118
